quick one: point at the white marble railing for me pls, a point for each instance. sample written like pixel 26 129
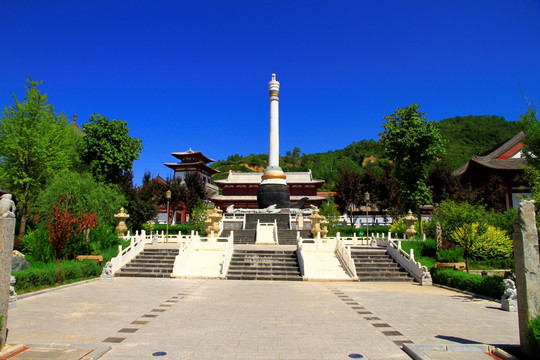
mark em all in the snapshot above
pixel 229 250
pixel 407 261
pixel 136 245
pixel 344 255
pixel 300 255
pixel 186 249
pixel 161 237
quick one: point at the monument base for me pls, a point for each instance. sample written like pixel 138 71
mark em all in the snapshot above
pixel 273 194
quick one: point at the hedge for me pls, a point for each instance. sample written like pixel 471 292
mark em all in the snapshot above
pixel 173 229
pixel 47 275
pixel 491 286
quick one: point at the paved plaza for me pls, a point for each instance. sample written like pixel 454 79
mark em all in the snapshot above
pixel 142 318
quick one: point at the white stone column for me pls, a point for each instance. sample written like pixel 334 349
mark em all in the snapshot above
pixel 273 153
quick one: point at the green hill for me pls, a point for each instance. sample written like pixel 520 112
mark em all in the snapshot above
pixel 465 136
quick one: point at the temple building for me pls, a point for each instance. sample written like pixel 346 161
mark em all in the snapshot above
pixel 240 189
pixel 505 161
pixel 192 161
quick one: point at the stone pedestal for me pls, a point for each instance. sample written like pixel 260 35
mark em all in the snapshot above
pixel 527 269
pixel 509 305
pixel 7 231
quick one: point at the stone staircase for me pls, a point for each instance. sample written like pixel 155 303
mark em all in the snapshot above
pixel 374 264
pixel 248 237
pixel 254 264
pixel 151 262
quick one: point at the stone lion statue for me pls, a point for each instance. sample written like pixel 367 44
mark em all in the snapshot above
pixel 510 291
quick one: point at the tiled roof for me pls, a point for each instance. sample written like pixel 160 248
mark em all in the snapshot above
pixel 489 159
pixel 255 178
pixel 192 154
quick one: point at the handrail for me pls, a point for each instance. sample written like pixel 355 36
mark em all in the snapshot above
pixel 229 250
pixel 408 262
pixel 300 256
pixel 124 256
pixel 186 249
pixel 344 255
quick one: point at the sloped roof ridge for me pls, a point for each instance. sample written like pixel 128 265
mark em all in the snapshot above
pixel 500 149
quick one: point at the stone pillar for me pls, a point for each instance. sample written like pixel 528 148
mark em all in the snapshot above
pixel 7 231
pixel 438 236
pixel 527 270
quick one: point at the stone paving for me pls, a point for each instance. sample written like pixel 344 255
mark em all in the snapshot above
pixel 218 319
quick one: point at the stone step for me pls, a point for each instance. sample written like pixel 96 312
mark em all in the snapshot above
pixel 290 271
pixel 242 265
pixel 150 263
pixel 389 279
pixel 264 277
pixel 264 265
pixel 378 266
pixel 154 259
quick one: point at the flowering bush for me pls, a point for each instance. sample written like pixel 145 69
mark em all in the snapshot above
pixel 63 226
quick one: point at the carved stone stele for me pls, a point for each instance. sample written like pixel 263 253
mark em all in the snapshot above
pixel 527 269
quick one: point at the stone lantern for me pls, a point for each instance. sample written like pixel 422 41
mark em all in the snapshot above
pixel 212 222
pixel 324 227
pixel 409 223
pixel 122 217
pixel 316 222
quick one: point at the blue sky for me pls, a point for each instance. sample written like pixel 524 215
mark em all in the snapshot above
pixel 194 74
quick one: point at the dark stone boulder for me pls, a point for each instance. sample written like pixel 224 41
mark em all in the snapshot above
pixel 19 263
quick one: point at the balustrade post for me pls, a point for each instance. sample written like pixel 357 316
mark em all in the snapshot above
pixel 399 245
pixel 389 235
pixel 411 254
pixel 354 239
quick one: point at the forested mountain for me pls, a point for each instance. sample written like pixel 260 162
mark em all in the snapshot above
pixel 470 135
pixel 465 136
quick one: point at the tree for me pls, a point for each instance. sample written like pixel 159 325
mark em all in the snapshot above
pixel 330 211
pixel 35 143
pixel 413 144
pixel 82 193
pixel 142 201
pixel 194 191
pixel 466 237
pixel 108 149
pixel 348 193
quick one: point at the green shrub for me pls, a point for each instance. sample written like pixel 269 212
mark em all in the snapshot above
pixel 450 255
pixel 346 231
pixel 102 237
pixel 421 248
pixel 426 261
pixel 398 226
pixel 507 263
pixel 41 275
pixel 534 335
pixel 503 220
pixel 491 286
pixel 494 243
pixel 36 245
pixel 453 215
